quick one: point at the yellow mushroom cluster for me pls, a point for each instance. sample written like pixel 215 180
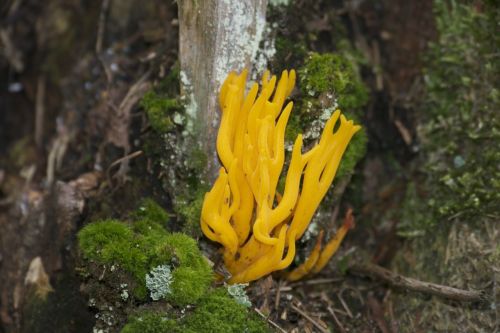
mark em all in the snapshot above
pixel 256 225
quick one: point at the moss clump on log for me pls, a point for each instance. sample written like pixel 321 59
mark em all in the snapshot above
pixel 143 244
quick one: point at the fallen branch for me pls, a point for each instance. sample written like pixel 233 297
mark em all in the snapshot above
pixel 428 288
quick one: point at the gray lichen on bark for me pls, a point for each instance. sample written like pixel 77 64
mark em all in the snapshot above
pixel 216 37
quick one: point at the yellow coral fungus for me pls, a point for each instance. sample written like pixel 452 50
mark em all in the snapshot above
pixel 318 259
pixel 243 211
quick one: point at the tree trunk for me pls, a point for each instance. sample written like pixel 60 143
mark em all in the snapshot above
pixel 215 37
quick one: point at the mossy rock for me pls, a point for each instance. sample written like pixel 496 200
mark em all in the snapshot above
pixel 144 244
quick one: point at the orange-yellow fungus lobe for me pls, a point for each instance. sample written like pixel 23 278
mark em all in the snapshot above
pixel 243 211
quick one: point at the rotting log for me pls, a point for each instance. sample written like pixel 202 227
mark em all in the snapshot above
pixel 216 37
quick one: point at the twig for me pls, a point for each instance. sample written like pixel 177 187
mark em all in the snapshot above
pixel 120 160
pixel 337 321
pixel 399 281
pixel 269 320
pixel 311 320
pixel 57 151
pixel 39 110
pixel 278 296
pixel 11 53
pixel 316 281
pixel 344 304
pixel 101 25
pixel 101 29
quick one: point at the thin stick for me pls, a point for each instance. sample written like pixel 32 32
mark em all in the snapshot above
pixel 315 282
pixel 39 111
pixel 344 304
pixel 101 25
pixel 118 161
pixel 269 320
pixel 278 296
pixel 337 321
pixel 399 281
pixel 312 321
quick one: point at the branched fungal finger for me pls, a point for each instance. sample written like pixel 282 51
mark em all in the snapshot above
pixel 243 211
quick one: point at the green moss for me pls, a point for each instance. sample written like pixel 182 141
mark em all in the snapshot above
pixel 113 242
pixel 174 151
pixel 193 276
pixel 159 110
pixel 149 229
pixel 149 322
pixel 169 86
pixel 189 210
pixel 198 162
pixel 459 129
pixel 336 74
pixel 144 244
pixel 185 250
pixel 162 102
pixel 150 210
pixel 189 285
pixel 189 199
pixel 328 81
pixel 218 312
pixel 99 236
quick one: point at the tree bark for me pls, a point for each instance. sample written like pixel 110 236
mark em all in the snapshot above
pixel 216 37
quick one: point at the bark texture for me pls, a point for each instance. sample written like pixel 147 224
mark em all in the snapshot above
pixel 215 37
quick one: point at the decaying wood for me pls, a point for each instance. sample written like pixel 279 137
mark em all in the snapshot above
pixel 216 36
pixel 428 288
